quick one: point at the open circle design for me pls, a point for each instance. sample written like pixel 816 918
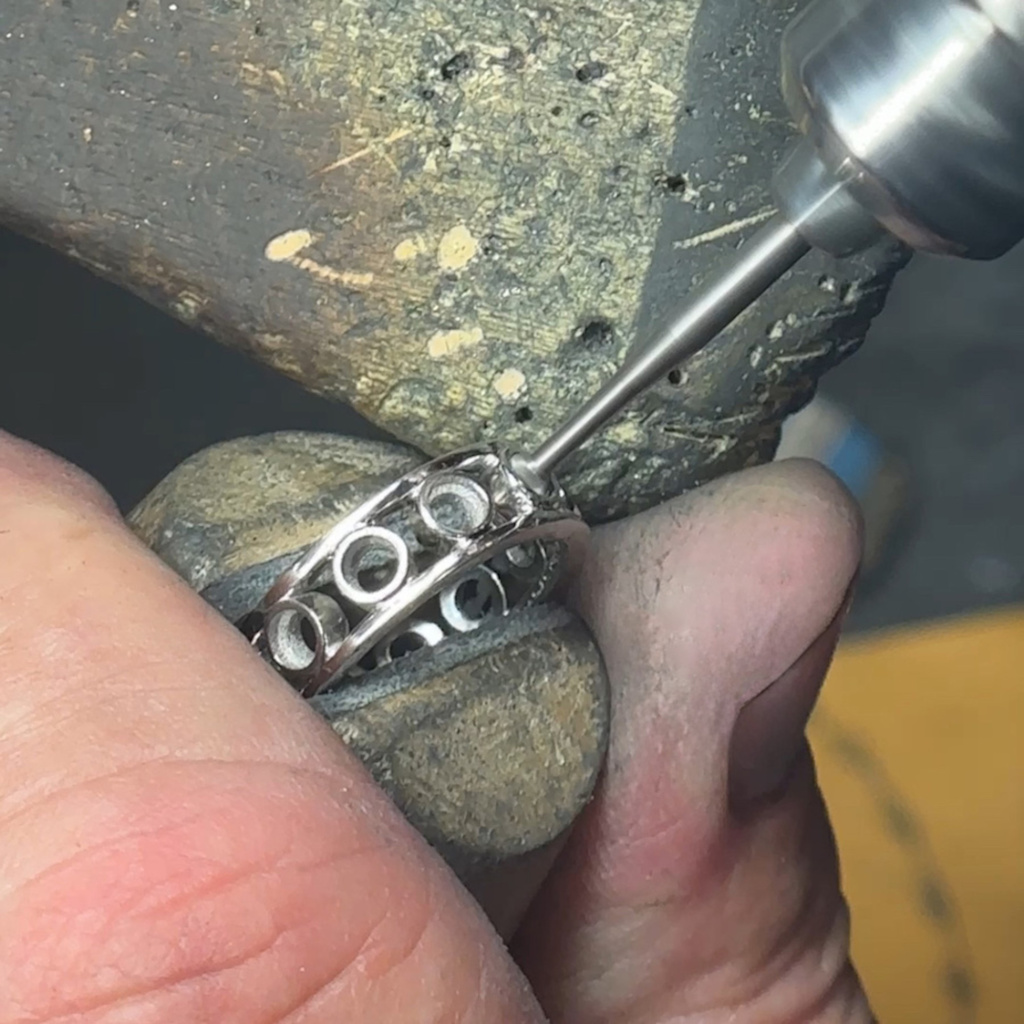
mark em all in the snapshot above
pixel 299 630
pixel 370 565
pixel 466 604
pixel 454 505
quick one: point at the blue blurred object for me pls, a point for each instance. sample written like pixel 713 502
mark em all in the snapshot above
pixel 825 432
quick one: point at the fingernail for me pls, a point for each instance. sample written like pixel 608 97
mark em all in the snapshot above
pixel 768 737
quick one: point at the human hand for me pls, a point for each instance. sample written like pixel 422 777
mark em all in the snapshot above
pixel 182 839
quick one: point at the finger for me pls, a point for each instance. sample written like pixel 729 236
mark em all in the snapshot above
pixel 701 884
pixel 180 838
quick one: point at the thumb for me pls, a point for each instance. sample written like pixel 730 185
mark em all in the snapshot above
pixel 181 839
pixel 702 883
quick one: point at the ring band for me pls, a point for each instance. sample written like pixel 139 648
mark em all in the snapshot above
pixel 446 547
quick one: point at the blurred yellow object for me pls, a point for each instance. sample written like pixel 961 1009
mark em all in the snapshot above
pixel 919 748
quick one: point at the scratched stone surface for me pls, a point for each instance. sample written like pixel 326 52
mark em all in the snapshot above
pixel 457 217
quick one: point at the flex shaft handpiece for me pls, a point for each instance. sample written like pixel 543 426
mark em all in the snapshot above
pixel 912 114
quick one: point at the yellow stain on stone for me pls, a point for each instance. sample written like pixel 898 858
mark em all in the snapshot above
pixel 444 343
pixel 408 249
pixel 510 384
pixel 346 277
pixel 287 246
pixel 457 248
pixel 625 432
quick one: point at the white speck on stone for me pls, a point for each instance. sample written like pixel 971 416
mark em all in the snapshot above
pixel 510 384
pixel 445 343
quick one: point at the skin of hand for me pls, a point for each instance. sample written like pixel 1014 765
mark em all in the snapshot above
pixel 182 839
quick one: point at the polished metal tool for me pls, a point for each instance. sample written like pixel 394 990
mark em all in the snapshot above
pixel 912 113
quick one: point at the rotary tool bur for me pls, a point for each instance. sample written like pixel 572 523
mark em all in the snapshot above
pixel 912 114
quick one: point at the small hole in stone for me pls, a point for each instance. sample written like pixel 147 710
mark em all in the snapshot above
pixel 690 111
pixel 590 119
pixel 514 60
pixel 132 6
pixel 557 111
pixel 523 415
pixel 596 333
pixel 257 28
pixel 675 184
pixel 455 66
pixel 427 94
pixel 444 142
pixel 675 377
pixel 591 72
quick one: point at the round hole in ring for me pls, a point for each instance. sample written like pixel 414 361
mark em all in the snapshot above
pixel 407 643
pixel 454 505
pixel 370 565
pixel 308 633
pixel 479 595
pixel 414 636
pixel 299 629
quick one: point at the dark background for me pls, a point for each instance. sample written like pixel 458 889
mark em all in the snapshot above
pixel 116 387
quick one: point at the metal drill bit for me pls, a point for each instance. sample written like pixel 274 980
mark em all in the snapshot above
pixel 913 112
pixel 757 265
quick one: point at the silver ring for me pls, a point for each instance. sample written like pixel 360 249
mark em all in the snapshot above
pixel 437 553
